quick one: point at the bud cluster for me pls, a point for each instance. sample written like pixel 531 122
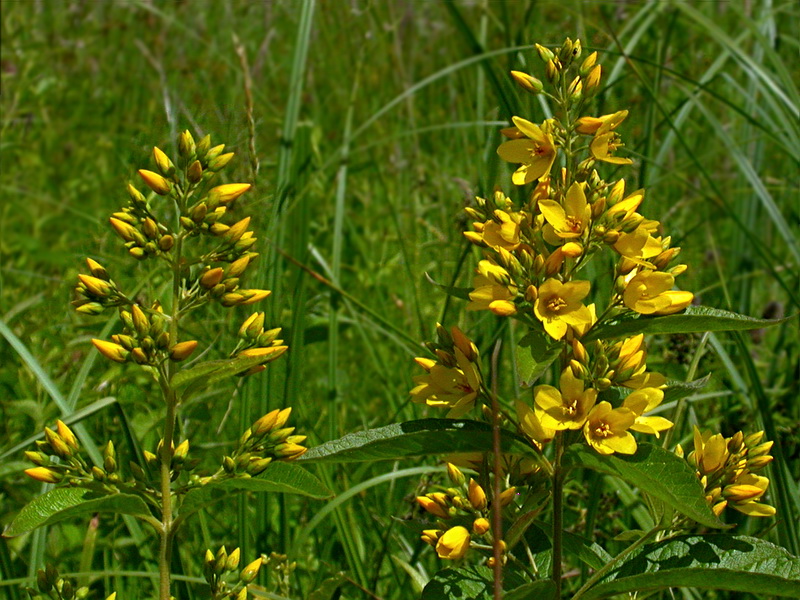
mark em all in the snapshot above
pixel 458 507
pixel 221 571
pixel 49 584
pixel 96 292
pixel 57 457
pixel 265 440
pixel 726 467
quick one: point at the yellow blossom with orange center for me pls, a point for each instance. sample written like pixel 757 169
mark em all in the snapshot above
pixel 567 222
pixel 606 429
pixel 560 305
pixel 650 293
pixel 567 407
pixel 535 153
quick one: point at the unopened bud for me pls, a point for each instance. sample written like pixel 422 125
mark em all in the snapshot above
pixel 527 82
pixel 155 182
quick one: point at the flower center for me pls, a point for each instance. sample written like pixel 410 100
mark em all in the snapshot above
pixel 603 430
pixel 538 150
pixel 574 224
pixel 570 407
pixel 555 304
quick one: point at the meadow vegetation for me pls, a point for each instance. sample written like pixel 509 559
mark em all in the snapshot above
pixel 365 129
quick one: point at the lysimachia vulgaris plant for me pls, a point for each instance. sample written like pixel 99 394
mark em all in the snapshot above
pixel 582 275
pixel 199 256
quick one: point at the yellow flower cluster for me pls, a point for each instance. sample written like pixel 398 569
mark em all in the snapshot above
pixel 453 380
pixel 463 513
pixel 726 468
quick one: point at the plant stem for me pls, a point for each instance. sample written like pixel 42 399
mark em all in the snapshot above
pixel 497 509
pixel 558 512
pixel 171 401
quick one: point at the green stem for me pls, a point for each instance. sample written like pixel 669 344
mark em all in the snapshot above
pixel 600 573
pixel 558 512
pixel 167 530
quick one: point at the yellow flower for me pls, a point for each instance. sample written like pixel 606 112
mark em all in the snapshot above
pixel 630 365
pixel 567 222
pixel 639 245
pixel 455 387
pixel 710 452
pixel 744 494
pixel 536 152
pixel 606 429
pixel 530 424
pixel 606 140
pixel 650 293
pixel 494 290
pixel 502 232
pixel 559 305
pixel 590 125
pixel 642 401
pixel 453 544
pixel 567 408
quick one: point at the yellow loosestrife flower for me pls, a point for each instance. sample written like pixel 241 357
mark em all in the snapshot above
pixel 453 544
pixel 559 305
pixel 455 387
pixel 590 125
pixel 531 426
pixel 536 152
pixel 606 429
pixel 606 140
pixel 502 233
pixel 642 401
pixel 494 290
pixel 568 222
pixel 650 293
pixel 566 408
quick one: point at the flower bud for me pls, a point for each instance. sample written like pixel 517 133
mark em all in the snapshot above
pixel 250 572
pixel 155 182
pixel 477 497
pixel 163 162
pixel 545 53
pixel 220 162
pixel 111 351
pixel 44 475
pixel 96 269
pixel 527 82
pixel 480 526
pixel 182 350
pixel 96 286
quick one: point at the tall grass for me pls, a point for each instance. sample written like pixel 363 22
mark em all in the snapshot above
pixel 374 124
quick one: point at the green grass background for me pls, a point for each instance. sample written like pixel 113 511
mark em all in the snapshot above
pixel 374 123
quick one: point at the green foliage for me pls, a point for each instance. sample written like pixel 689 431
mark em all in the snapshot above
pixel 67 503
pixel 425 437
pixel 656 472
pixel 723 562
pixel 714 91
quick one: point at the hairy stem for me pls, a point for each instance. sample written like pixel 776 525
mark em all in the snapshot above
pixel 171 401
pixel 558 512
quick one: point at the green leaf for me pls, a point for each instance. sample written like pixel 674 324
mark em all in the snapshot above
pixel 695 319
pixel 65 503
pixel 214 370
pixel 414 438
pixel 280 477
pixel 676 390
pixel 460 583
pixel 715 561
pixel 654 471
pixel 544 589
pixel 455 292
pixel 535 352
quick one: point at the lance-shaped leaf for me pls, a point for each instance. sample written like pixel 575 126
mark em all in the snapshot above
pixel 206 373
pixel 654 471
pixel 279 477
pixel 715 561
pixel 534 353
pixel 475 583
pixel 544 589
pixel 65 503
pixel 695 319
pixel 455 292
pixel 415 438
